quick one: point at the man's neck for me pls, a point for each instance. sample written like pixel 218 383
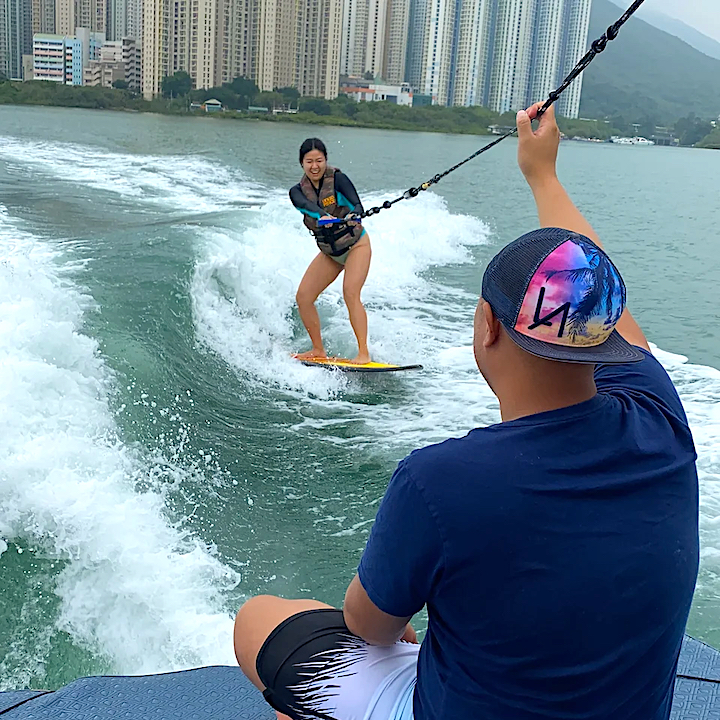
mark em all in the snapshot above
pixel 528 396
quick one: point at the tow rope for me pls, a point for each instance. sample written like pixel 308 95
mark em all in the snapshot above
pixel 595 49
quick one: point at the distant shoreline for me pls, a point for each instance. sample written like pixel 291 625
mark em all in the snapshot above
pixel 474 121
pixel 301 118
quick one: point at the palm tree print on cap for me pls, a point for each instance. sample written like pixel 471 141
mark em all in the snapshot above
pixel 575 297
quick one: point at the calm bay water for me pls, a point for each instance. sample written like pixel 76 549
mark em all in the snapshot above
pixel 161 457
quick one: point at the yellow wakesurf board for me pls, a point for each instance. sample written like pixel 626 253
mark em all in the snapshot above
pixel 334 363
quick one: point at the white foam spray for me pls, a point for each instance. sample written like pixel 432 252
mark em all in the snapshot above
pixel 135 588
pixel 192 184
pixel 244 286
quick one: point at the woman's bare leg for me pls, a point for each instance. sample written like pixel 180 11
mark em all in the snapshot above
pixel 257 618
pixel 320 273
pixel 357 266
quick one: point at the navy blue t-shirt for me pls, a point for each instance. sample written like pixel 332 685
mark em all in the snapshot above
pixel 557 555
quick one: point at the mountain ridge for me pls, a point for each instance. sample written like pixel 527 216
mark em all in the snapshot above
pixel 687 33
pixel 647 74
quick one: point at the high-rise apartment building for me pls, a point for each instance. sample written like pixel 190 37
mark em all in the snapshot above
pixel 180 35
pixel 396 40
pixel 274 35
pixel 501 53
pixel 155 46
pixel 576 24
pixel 469 82
pixel 203 28
pixel 71 14
pixel 124 19
pixel 319 24
pixel 430 48
pixel 512 54
pixel 548 46
pixel 65 17
pixel 354 36
pixel 560 41
pixel 43 16
pixel 91 14
pixel 15 36
pixel 364 34
pixel 297 44
pixel 375 38
pixel 235 40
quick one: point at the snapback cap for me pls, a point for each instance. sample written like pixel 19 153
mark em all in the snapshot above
pixel 559 297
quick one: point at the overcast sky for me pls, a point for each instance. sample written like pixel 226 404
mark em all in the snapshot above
pixel 703 15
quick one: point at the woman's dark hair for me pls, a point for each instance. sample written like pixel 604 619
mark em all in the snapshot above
pixel 312 144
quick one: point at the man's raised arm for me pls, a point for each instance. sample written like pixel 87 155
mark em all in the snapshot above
pixel 537 158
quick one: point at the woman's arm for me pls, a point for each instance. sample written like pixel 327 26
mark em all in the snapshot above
pixel 346 192
pixel 298 199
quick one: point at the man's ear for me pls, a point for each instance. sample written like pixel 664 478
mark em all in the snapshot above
pixel 492 325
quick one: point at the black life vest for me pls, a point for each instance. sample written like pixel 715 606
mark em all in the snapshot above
pixel 333 239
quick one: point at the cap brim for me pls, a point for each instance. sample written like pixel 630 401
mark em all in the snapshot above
pixel 615 350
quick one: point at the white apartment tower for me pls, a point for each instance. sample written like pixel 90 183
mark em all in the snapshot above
pixel 549 34
pixel 276 26
pixel 71 14
pixel 180 35
pixel 91 14
pixel 364 33
pixel 354 36
pixel 560 41
pixel 577 23
pixel 43 16
pixel 275 43
pixel 512 54
pixel 296 43
pixel 16 36
pixel 65 17
pixel 203 27
pixel 236 42
pixel 155 46
pixel 125 19
pixel 396 40
pixel 318 47
pixel 472 52
pixel 430 48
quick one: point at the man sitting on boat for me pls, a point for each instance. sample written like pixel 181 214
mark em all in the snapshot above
pixel 556 552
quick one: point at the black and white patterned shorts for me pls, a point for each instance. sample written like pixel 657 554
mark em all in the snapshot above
pixel 314 668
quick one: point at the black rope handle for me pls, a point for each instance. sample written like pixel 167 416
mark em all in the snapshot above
pixel 595 49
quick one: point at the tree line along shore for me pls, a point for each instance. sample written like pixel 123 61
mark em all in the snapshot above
pixel 242 100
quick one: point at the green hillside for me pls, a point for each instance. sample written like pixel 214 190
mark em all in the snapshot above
pixel 712 140
pixel 647 74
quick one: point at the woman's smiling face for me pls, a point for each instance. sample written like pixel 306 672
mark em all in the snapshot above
pixel 314 164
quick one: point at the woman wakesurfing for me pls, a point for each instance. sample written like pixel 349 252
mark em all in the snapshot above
pixel 330 206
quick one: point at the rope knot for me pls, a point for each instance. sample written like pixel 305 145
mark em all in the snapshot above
pixel 387 204
pixel 612 32
pixel 600 44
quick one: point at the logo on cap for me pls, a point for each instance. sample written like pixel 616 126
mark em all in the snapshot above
pixel 574 298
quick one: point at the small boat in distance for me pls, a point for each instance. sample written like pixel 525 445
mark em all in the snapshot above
pixel 631 141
